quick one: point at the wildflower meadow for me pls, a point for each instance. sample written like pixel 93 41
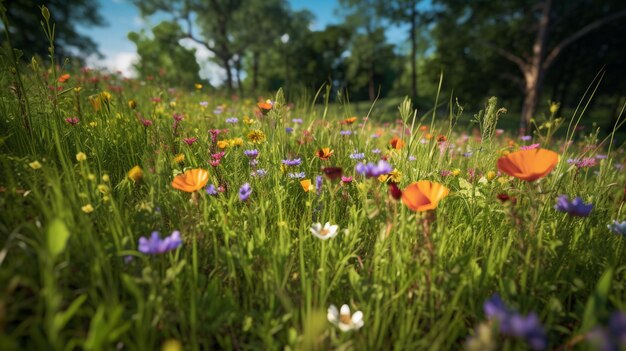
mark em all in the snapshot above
pixel 135 215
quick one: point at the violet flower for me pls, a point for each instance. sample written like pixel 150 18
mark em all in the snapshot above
pixel 372 170
pixel 245 191
pixel 575 207
pixel 155 245
pixel 511 323
pixel 618 227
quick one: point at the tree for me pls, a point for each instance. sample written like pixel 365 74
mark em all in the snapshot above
pixel 530 33
pixel 163 56
pixel 27 35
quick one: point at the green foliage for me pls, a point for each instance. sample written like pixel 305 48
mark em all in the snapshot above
pixel 162 56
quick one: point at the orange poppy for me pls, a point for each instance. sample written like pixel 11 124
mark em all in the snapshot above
pixel 265 107
pixel 348 120
pixel 528 165
pixel 396 143
pixel 324 153
pixel 424 195
pixel 64 78
pixel 192 180
pixel 306 185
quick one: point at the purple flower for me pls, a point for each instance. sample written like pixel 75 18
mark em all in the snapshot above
pixel 345 132
pixel 357 156
pixel 211 190
pixel 525 137
pixel 292 162
pixel 376 151
pixel 156 245
pixel 601 157
pixel 204 103
pixel 318 184
pixel 467 154
pixel 297 120
pixel 412 158
pixel 513 324
pixel 613 337
pixel 252 154
pixel 575 207
pixel 372 170
pixel 232 120
pixel 244 192
pixel 618 227
pixel 288 130
pixel 584 162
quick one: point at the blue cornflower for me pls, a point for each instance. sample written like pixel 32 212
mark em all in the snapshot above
pixel 232 120
pixel 357 156
pixel 155 245
pixel 618 227
pixel 292 162
pixel 251 153
pixel 513 324
pixel 297 175
pixel 245 191
pixel 288 129
pixel 211 190
pixel 574 208
pixel 372 170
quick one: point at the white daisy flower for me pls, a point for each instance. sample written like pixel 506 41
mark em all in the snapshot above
pixel 326 232
pixel 343 319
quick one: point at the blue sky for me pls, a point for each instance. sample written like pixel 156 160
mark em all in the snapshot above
pixel 122 17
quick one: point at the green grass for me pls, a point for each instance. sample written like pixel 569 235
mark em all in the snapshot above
pixel 250 275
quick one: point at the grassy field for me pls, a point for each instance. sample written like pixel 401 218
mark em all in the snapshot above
pixel 90 165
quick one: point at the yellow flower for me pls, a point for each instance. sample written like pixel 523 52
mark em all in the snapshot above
pixel 247 120
pixel 77 89
pixel 198 86
pixel 103 189
pixel 491 175
pixel 95 102
pixel 222 144
pixel 383 178
pixel 172 103
pixel 456 172
pixel 132 104
pixel 93 124
pixel 172 344
pixel 135 174
pixel 105 178
pixel 502 180
pixel 395 175
pixel 91 176
pixel 35 165
pixel 87 208
pixel 554 107
pixel 179 158
pixel 80 157
pixel 306 185
pixel 105 198
pixel 105 96
pixel 256 136
pixel 236 142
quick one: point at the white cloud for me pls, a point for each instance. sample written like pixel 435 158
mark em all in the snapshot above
pixel 208 69
pixel 119 61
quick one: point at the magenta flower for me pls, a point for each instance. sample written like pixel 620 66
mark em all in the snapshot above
pixel 190 141
pixel 529 147
pixel 72 120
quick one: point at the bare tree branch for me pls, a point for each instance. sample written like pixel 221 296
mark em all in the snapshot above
pixel 579 34
pixel 508 55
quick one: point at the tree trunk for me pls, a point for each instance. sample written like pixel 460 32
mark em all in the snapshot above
pixel 534 70
pixel 229 74
pixel 371 85
pixel 413 53
pixel 255 70
pixel 238 76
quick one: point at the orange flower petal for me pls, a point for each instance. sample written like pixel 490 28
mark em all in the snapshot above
pixel 528 165
pixel 192 180
pixel 424 195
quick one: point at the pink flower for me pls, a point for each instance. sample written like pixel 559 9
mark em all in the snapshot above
pixel 146 122
pixel 190 141
pixel 72 120
pixel 529 147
